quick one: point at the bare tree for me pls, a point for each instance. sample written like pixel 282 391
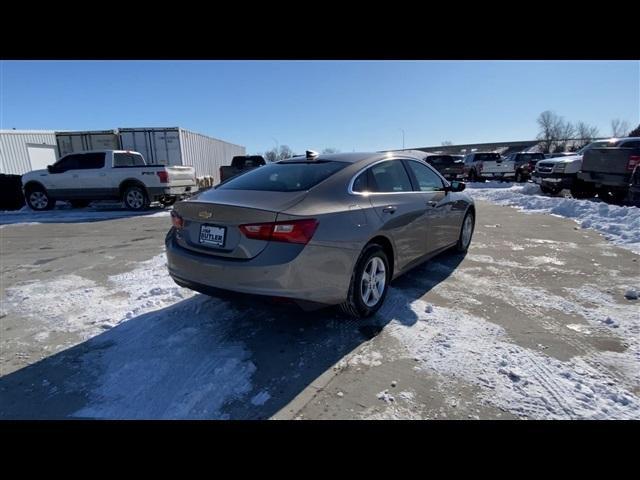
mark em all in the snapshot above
pixel 271 155
pixel 619 128
pixel 550 127
pixel 275 155
pixel 586 134
pixel 330 150
pixel 446 143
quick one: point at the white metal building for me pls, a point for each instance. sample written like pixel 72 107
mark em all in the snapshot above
pixel 24 150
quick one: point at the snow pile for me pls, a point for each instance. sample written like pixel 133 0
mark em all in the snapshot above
pixel 169 357
pixel 460 346
pixel 620 225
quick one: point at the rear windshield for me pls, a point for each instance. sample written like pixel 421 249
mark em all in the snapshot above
pixel 487 156
pixel 284 177
pixel 443 161
pixel 127 160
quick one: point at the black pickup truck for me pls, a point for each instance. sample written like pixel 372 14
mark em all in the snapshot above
pixel 609 170
pixel 450 167
pixel 241 164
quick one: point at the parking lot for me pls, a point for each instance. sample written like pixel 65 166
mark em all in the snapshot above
pixel 532 322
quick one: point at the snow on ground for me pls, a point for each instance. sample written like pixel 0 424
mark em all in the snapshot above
pixel 64 213
pixel 154 317
pixel 459 346
pixel 620 225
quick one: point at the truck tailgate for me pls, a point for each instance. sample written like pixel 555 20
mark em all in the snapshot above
pixel 498 166
pixel 181 176
pixel 607 160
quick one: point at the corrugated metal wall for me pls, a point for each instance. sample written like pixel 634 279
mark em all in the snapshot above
pixel 207 154
pixel 14 156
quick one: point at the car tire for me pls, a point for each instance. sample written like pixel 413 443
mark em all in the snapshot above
pixel 80 203
pixel 549 190
pixel 473 176
pixel 361 299
pixel 167 202
pixel 135 198
pixel 582 190
pixel 519 177
pixel 464 239
pixel 38 199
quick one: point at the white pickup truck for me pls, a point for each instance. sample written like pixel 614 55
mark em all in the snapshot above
pixel 480 166
pixel 81 178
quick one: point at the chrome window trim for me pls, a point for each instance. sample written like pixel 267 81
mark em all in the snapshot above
pixel 398 158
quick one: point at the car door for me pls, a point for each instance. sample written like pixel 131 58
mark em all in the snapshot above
pixel 401 210
pixel 59 179
pixel 442 226
pixel 89 178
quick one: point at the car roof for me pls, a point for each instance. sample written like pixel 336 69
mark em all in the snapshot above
pixel 355 157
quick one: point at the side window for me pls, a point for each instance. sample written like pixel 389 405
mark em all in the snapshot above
pixel 70 162
pixel 127 160
pixel 632 144
pixel 390 177
pixel 360 184
pixel 90 161
pixel 428 180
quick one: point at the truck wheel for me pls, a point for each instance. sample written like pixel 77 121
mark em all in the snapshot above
pixel 473 176
pixel 38 199
pixel 519 177
pixel 135 198
pixel 549 190
pixel 615 197
pixel 369 283
pixel 80 203
pixel 582 190
pixel 168 201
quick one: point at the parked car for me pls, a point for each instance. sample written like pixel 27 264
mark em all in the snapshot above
pixel 525 164
pixel 607 171
pixel 240 164
pixel 450 167
pixel 479 166
pixel 81 178
pixel 556 174
pixel 634 188
pixel 319 230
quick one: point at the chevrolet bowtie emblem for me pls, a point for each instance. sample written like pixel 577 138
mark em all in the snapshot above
pixel 205 214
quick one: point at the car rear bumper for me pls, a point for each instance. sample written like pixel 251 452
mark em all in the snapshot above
pixel 621 180
pixel 182 191
pixel 497 174
pixel 554 180
pixel 308 273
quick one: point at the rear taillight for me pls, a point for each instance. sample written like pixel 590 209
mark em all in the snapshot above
pixel 293 231
pixel 163 176
pixel 176 220
pixel 633 161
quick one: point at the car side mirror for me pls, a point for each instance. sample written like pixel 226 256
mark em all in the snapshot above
pixel 457 186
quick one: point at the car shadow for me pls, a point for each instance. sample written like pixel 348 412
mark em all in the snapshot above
pixel 64 213
pixel 236 357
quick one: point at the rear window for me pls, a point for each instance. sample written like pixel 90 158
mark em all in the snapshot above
pixel 484 157
pixel 127 160
pixel 528 157
pixel 441 161
pixel 284 177
pixel 88 161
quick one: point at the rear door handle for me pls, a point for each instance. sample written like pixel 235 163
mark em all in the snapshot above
pixel 389 209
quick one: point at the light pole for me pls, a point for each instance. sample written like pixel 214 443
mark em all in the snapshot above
pixel 402 138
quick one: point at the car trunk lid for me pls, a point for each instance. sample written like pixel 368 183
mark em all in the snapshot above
pixel 212 220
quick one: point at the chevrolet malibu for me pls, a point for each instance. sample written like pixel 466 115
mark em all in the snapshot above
pixel 319 229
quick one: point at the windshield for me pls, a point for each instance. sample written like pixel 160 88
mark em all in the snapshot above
pixel 285 176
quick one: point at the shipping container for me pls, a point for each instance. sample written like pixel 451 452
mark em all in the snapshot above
pixel 177 146
pixel 72 142
pixel 24 150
